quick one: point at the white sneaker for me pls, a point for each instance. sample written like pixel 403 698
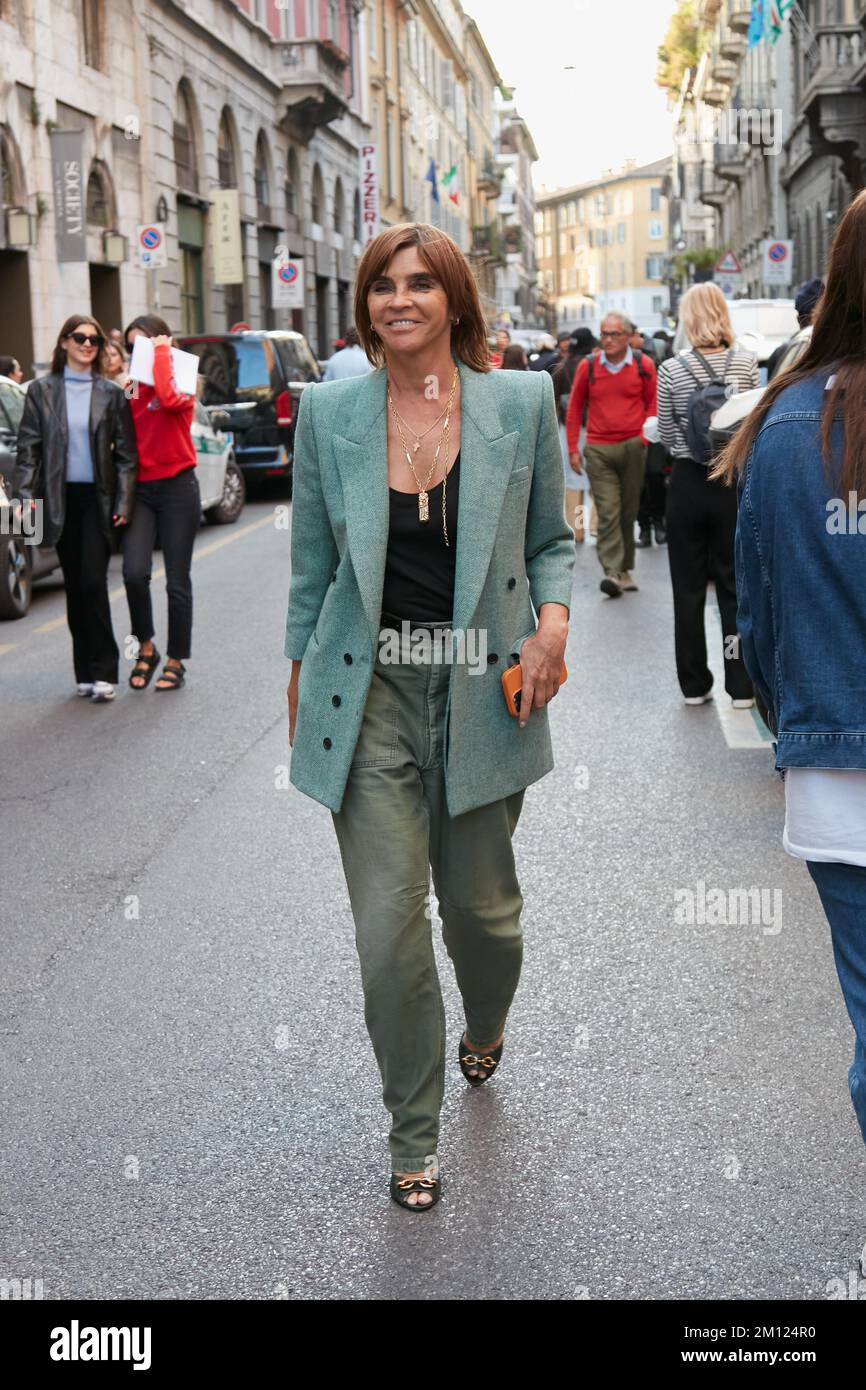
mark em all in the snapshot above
pixel 698 699
pixel 85 688
pixel 102 690
pixel 742 704
pixel 626 583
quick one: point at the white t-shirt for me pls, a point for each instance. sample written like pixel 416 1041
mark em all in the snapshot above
pixel 825 814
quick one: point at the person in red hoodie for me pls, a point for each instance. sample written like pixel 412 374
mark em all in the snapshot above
pixel 620 386
pixel 168 491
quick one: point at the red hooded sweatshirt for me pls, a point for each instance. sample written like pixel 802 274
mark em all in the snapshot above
pixel 162 419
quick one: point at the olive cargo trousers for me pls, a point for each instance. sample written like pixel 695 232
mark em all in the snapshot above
pixel 392 827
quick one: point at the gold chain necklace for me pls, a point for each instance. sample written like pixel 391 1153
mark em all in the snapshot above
pixel 423 497
pixel 418 437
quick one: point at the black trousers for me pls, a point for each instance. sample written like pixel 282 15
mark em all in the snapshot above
pixel 84 553
pixel 176 502
pixel 654 494
pixel 701 521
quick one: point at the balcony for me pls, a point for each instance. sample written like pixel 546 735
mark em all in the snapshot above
pixel 729 162
pixel 489 180
pixel 724 72
pixel 486 245
pixel 310 72
pixel 713 190
pixel 715 94
pixel 733 46
pixel 830 63
pixel 739 15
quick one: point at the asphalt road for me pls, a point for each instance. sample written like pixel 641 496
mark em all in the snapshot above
pixel 190 1105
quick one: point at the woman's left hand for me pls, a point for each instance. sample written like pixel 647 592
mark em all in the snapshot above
pixel 541 659
pixel 120 520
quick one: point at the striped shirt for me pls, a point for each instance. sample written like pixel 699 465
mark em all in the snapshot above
pixel 675 386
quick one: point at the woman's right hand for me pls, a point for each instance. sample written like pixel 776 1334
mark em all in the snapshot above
pixel 292 695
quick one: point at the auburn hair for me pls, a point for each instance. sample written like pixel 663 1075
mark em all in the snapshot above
pixel 444 259
pixel 838 343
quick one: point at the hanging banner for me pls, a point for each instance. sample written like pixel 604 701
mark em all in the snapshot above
pixel 228 261
pixel 67 177
pixel 369 193
pixel 287 283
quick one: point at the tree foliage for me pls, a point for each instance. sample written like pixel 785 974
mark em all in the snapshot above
pixel 682 46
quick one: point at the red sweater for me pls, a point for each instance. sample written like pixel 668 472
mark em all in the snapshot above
pixel 162 419
pixel 619 402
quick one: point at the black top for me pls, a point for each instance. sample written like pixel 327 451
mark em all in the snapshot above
pixel 419 566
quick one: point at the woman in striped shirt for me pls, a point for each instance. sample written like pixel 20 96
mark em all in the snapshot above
pixel 702 513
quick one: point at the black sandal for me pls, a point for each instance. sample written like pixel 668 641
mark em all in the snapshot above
pixel 402 1188
pixel 488 1060
pixel 145 666
pixel 174 674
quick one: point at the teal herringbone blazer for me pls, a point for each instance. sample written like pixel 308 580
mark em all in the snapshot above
pixel 515 551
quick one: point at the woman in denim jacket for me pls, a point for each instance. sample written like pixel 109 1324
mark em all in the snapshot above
pixel 801 586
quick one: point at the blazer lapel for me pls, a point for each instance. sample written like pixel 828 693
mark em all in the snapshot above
pixel 99 398
pixel 56 391
pixel 486 459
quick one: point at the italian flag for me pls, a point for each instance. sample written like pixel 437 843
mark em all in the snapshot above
pixel 449 181
pixel 776 17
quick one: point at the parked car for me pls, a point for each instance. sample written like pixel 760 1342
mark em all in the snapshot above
pixel 760 325
pixel 20 561
pixel 220 480
pixel 256 378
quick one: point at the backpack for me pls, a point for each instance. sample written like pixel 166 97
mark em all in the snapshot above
pixel 704 401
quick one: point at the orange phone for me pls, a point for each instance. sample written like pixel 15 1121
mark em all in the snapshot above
pixel 512 685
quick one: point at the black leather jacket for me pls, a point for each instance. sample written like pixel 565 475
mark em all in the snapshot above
pixel 43 445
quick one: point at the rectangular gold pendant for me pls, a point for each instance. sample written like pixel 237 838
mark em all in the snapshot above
pixel 423 508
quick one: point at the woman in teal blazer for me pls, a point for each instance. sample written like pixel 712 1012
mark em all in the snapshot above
pixel 428 523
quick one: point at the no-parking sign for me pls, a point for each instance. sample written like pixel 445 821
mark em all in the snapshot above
pixel 287 279
pixel 776 259
pixel 150 241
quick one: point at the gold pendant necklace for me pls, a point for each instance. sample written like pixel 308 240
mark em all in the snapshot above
pixel 423 495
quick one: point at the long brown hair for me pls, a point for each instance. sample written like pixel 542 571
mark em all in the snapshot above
pixel 444 259
pixel 838 342
pixel 72 324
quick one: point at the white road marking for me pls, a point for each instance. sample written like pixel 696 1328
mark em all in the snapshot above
pixel 198 554
pixel 742 728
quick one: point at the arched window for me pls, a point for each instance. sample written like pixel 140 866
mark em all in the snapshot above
pixel 11 180
pixel 263 180
pixel 226 164
pixel 293 188
pixel 93 32
pixel 317 205
pixel 100 202
pixel 339 207
pixel 185 156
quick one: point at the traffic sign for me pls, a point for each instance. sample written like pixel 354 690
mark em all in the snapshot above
pixel 151 245
pixel 287 281
pixel 776 258
pixel 729 265
pixel 240 328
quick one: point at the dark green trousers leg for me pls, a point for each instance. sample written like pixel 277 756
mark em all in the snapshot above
pixel 392 825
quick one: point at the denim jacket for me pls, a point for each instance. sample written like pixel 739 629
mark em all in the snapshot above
pixel 801 586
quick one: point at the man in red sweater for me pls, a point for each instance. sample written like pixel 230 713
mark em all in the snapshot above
pixel 620 385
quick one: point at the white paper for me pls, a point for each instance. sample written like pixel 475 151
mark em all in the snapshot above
pixel 184 366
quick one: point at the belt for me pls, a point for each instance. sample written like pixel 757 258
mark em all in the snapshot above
pixel 393 620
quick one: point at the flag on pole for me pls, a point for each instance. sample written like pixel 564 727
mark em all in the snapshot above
pixel 756 23
pixel 449 181
pixel 430 177
pixel 778 9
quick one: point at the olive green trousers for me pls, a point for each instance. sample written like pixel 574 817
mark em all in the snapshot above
pixel 392 828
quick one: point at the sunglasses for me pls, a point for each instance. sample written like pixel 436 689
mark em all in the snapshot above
pixel 83 339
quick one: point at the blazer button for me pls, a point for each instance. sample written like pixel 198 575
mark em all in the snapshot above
pixel 347 657
pixel 492 657
pixel 335 701
pixel 326 743
pixel 511 583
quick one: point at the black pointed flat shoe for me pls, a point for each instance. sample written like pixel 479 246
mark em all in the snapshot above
pixel 488 1060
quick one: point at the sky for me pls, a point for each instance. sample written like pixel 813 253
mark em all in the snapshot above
pixel 608 109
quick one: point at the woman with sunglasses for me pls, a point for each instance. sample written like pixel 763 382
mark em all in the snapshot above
pixel 76 457
pixel 167 491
